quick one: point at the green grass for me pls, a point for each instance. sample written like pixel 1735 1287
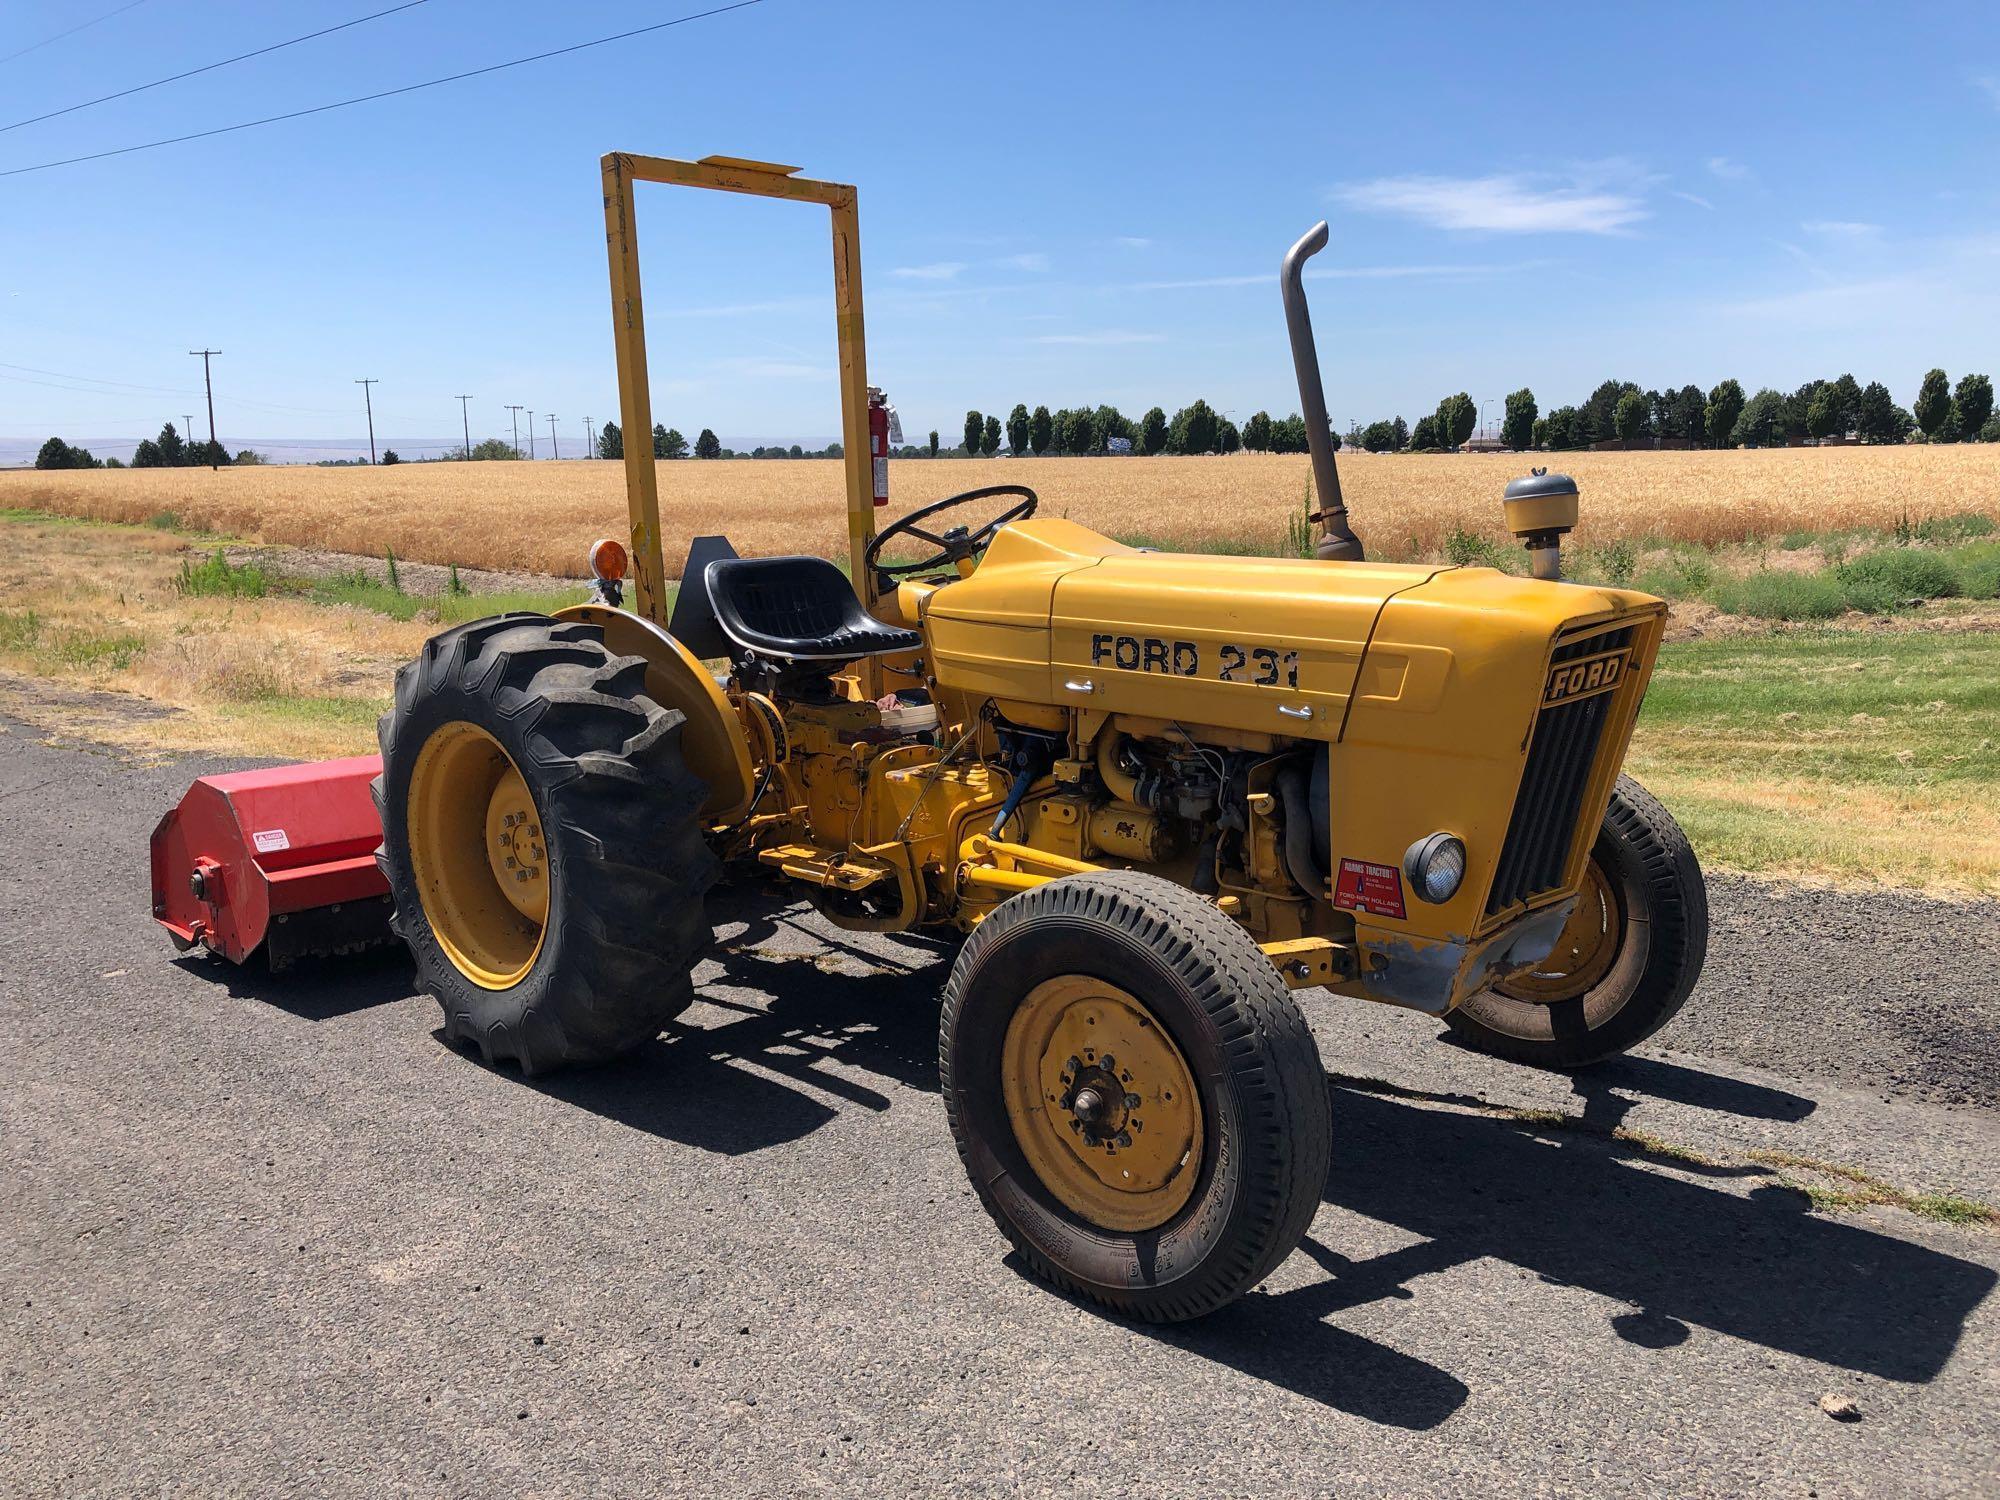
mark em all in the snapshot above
pixel 1688 573
pixel 1899 573
pixel 20 629
pixel 1886 709
pixel 86 649
pixel 1978 566
pixel 328 713
pixel 1828 753
pixel 1773 595
pixel 363 592
pixel 214 576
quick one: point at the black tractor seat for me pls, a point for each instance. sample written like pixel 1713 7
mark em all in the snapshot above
pixel 797 609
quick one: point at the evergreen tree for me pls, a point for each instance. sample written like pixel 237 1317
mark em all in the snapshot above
pixel 1017 429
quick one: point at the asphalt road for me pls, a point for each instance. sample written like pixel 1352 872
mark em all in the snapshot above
pixel 271 1236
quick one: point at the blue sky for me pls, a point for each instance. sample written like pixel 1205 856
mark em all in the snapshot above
pixel 1060 204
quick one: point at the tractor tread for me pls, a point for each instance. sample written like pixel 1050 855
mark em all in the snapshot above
pixel 1271 1059
pixel 622 813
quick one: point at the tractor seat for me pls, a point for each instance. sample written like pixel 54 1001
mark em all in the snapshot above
pixel 797 609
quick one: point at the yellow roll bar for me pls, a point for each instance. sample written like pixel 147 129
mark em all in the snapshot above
pixel 728 174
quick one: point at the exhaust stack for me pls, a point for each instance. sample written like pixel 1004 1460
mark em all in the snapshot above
pixel 1337 541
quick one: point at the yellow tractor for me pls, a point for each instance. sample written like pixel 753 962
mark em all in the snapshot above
pixel 1155 793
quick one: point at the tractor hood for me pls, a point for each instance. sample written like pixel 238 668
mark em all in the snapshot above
pixel 1058 614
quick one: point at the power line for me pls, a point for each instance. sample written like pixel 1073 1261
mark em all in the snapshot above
pixel 209 67
pixel 152 390
pixel 84 26
pixel 320 109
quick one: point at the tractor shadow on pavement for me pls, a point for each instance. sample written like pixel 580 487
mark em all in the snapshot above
pixel 1581 1208
pixel 747 1067
pixel 313 989
pixel 796 1026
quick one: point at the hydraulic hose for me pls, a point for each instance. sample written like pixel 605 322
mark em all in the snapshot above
pixel 1298 843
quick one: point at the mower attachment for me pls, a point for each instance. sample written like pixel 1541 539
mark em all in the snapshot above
pixel 282 859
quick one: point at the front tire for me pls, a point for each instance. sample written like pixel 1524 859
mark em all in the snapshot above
pixel 1626 962
pixel 1134 1094
pixel 542 842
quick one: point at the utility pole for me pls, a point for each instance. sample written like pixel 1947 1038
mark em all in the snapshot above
pixel 467 423
pixel 368 396
pixel 517 429
pixel 589 439
pixel 531 432
pixel 209 386
pixel 187 426
pixel 554 451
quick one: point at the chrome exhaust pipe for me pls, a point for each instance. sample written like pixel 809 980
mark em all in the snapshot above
pixel 1337 541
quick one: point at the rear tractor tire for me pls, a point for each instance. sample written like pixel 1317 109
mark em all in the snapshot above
pixel 542 841
pixel 1624 964
pixel 1134 1094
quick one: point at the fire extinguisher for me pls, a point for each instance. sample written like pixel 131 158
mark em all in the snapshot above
pixel 885 429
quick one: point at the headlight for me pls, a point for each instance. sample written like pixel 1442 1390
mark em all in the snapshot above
pixel 1436 865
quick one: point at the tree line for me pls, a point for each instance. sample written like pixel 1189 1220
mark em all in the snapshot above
pixel 669 443
pixel 1722 417
pixel 1618 410
pixel 167 451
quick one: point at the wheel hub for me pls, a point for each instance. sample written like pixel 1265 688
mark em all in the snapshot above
pixel 1584 950
pixel 1103 1105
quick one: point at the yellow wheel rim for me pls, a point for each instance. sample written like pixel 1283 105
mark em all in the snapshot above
pixel 1102 1103
pixel 1583 954
pixel 480 860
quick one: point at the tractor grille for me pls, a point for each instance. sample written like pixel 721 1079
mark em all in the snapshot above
pixel 1560 758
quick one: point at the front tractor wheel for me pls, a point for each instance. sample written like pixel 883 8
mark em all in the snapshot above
pixel 1624 964
pixel 541 838
pixel 1134 1094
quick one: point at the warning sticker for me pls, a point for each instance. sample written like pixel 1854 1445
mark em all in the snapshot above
pixel 1376 889
pixel 270 839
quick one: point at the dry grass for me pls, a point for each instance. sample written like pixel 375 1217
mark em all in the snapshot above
pixel 543 516
pixel 97 608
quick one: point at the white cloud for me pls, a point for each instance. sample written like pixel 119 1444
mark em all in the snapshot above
pixel 1133 242
pixel 1695 198
pixel 1338 273
pixel 1033 260
pixel 1107 337
pixel 1841 229
pixel 937 270
pixel 1729 171
pixel 1987 83
pixel 1501 203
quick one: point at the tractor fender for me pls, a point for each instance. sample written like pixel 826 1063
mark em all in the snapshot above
pixel 713 740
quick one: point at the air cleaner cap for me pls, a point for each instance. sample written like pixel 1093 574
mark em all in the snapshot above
pixel 1540 507
pixel 1538 483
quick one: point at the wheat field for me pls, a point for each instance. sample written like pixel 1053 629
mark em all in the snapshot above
pixel 542 517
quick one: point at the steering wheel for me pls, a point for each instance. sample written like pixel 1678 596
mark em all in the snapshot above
pixel 957 542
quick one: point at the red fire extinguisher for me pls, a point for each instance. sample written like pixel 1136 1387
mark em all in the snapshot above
pixel 885 429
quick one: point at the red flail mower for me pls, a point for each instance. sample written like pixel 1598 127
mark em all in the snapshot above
pixel 281 859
